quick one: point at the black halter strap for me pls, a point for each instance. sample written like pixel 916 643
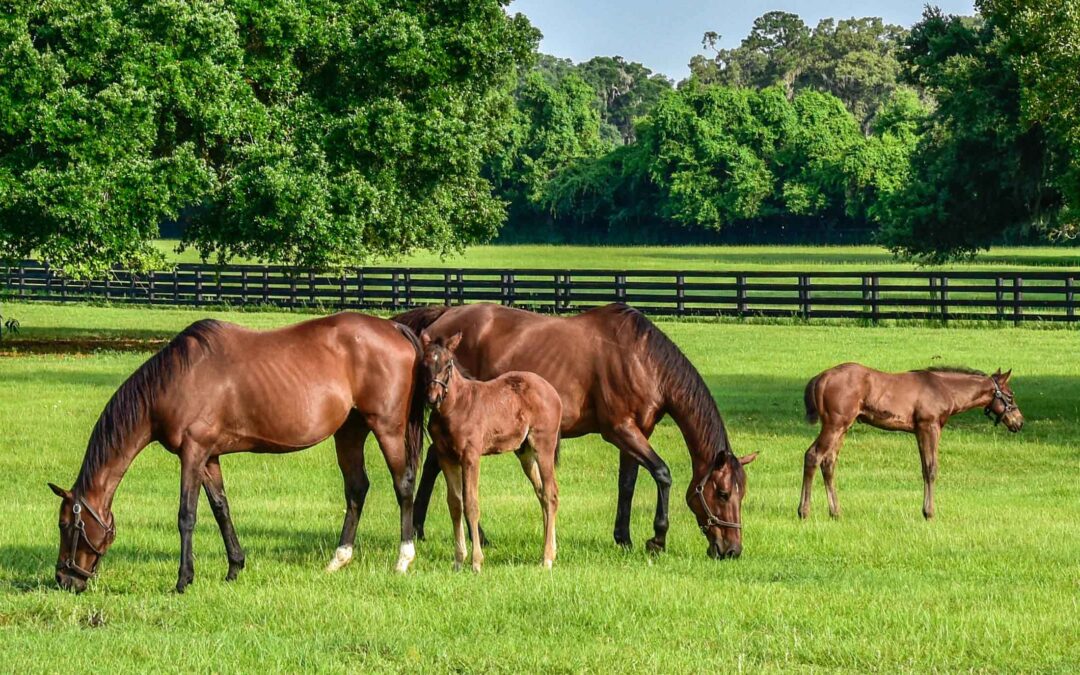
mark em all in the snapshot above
pixel 78 532
pixel 1006 400
pixel 443 380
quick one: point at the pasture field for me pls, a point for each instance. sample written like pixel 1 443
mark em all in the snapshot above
pixel 993 584
pixel 798 258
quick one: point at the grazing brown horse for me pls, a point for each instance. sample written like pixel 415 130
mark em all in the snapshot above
pixel 218 388
pixel 618 375
pixel 516 411
pixel 919 402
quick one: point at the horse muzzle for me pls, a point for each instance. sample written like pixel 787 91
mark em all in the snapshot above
pixel 722 550
pixel 70 582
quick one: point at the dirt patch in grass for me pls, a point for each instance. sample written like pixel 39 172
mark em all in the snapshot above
pixel 17 347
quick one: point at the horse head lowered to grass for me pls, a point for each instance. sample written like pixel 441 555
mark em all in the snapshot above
pixel 218 388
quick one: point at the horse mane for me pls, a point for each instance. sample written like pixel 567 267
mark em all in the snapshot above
pixel 680 382
pixel 136 396
pixel 956 369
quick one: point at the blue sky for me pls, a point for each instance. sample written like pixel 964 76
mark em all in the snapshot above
pixel 665 34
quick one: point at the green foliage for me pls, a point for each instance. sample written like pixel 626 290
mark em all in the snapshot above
pixel 980 169
pixel 627 91
pixel 852 59
pixel 309 133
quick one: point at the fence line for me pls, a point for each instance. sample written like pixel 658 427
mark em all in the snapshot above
pixel 995 296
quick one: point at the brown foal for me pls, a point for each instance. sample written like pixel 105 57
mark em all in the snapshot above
pixel 919 402
pixel 516 411
pixel 218 388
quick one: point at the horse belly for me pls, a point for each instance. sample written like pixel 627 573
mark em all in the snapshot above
pixel 296 418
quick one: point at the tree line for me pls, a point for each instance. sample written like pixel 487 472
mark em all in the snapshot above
pixel 323 134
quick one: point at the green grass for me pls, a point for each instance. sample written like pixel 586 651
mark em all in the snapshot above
pixel 991 585
pixel 798 258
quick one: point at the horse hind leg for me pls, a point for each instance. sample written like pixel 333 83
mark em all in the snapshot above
pixel 823 452
pixel 550 496
pixel 214 486
pixel 928 452
pixel 349 445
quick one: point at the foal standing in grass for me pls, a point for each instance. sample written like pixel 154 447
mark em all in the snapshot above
pixel 516 411
pixel 919 402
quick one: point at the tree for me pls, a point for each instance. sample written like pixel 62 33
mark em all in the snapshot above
pixel 627 91
pixel 555 124
pixel 315 134
pixel 852 59
pixel 979 170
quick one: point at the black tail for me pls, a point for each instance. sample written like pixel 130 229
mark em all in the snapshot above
pixel 420 318
pixel 414 432
pixel 812 416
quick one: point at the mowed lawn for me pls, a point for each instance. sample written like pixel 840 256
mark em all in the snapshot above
pixel 991 585
pixel 784 258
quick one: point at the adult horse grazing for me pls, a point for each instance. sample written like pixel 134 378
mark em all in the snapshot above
pixel 516 411
pixel 618 375
pixel 218 388
pixel 919 402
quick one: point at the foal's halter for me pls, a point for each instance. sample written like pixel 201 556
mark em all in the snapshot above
pixel 1006 399
pixel 443 380
pixel 712 520
pixel 78 531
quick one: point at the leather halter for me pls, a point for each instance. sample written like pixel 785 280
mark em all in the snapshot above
pixel 78 531
pixel 712 519
pixel 1006 400
pixel 443 380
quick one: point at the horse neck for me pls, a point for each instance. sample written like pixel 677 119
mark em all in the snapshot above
pixel 97 481
pixel 459 390
pixel 701 425
pixel 971 391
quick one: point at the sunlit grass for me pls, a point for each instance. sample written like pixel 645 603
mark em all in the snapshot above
pixel 991 585
pixel 796 258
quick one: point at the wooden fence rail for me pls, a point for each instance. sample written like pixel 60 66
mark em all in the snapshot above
pixel 945 296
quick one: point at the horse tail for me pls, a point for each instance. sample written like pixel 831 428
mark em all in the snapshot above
pixel 414 430
pixel 809 396
pixel 420 318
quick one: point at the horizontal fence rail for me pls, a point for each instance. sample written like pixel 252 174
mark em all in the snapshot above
pixel 944 296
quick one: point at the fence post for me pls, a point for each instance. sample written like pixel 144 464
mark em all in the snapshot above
pixel 1070 309
pixel 511 289
pixel 394 290
pixel 1018 298
pixel 680 295
pixel 804 295
pixel 740 294
pixel 343 289
pixel 360 280
pixel 999 297
pixel 408 288
pixel 943 282
pixel 153 285
pixel 460 288
pixel 244 284
pixel 198 287
pixel 875 308
pixel 446 288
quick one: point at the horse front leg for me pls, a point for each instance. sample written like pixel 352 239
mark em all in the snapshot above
pixel 628 473
pixel 192 465
pixel 214 486
pixel 629 439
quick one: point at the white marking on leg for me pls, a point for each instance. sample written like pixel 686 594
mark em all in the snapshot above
pixel 406 555
pixel 342 557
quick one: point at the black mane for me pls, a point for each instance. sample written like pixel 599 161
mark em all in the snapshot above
pixel 680 382
pixel 136 395
pixel 956 369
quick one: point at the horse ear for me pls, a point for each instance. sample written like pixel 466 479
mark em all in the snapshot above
pixel 454 341
pixel 59 491
pixel 746 459
pixel 1005 376
pixel 425 339
pixel 997 374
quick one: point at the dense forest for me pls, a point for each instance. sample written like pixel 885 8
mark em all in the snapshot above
pixel 935 141
pixel 323 134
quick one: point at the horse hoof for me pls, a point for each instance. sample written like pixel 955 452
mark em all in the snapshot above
pixel 418 532
pixel 342 556
pixel 625 544
pixel 457 567
pixel 476 569
pixel 547 565
pixel 803 514
pixel 654 546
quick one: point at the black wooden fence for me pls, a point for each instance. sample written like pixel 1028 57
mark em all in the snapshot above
pixel 995 296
